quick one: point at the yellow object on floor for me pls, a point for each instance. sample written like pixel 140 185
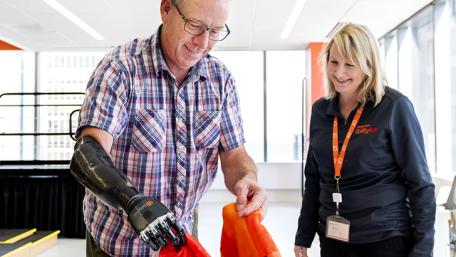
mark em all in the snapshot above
pixel 9 236
pixel 27 243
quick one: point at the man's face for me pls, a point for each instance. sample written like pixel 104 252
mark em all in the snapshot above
pixel 182 49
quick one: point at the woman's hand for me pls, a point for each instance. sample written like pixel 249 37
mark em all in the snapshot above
pixel 300 251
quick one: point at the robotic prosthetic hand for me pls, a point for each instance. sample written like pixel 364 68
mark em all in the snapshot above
pixel 153 222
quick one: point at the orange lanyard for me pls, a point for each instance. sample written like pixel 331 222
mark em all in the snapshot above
pixel 339 156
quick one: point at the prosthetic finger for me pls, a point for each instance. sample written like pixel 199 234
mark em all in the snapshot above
pixel 152 233
pixel 166 230
pixel 178 229
pixel 158 237
pixel 152 242
pixel 161 237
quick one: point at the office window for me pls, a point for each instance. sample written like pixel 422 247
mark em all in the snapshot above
pixel 247 69
pixel 391 60
pixel 17 74
pixel 285 71
pixel 445 80
pixel 409 65
pixel 62 78
pixel 422 78
pixel 406 49
pixel 64 75
pixel 452 53
pixel 416 74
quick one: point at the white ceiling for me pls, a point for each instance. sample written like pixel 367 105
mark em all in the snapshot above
pixel 255 24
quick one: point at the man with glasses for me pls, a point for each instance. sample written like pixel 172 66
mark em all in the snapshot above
pixel 157 115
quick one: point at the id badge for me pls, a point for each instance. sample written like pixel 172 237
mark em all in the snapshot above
pixel 338 228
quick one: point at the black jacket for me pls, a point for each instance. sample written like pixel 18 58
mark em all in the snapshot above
pixel 385 182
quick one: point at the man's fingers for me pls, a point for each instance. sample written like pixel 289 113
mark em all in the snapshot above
pixel 264 209
pixel 241 191
pixel 255 203
pixel 250 196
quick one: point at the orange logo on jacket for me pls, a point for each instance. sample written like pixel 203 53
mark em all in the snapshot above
pixel 365 129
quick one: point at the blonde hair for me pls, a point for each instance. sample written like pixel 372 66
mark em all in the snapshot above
pixel 358 45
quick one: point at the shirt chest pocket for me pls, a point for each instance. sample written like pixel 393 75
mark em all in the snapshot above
pixel 207 129
pixel 149 130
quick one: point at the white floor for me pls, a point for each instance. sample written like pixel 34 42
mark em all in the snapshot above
pixel 281 222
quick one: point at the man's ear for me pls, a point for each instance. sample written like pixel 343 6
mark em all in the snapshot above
pixel 165 8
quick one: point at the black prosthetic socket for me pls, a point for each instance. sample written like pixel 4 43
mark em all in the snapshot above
pixel 152 221
pixel 93 168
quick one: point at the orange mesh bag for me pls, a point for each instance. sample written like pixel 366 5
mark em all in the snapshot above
pixel 191 249
pixel 245 236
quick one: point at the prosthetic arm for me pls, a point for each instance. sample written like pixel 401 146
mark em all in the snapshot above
pixel 151 220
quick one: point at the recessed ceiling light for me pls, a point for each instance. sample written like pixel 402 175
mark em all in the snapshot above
pixel 73 18
pixel 297 9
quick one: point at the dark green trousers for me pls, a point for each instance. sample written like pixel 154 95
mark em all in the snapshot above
pixel 92 248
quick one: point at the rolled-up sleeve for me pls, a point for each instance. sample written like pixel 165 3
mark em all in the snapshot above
pixel 408 148
pixel 232 134
pixel 105 100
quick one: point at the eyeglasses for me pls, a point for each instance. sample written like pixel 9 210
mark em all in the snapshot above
pixel 196 28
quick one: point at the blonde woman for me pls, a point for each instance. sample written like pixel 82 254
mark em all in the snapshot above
pixel 368 191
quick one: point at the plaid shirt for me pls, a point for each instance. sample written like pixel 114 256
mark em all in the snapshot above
pixel 166 137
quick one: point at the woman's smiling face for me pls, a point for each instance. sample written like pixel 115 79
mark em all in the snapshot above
pixel 345 76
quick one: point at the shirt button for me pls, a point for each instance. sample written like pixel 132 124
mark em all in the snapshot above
pixel 181 149
pixel 180 122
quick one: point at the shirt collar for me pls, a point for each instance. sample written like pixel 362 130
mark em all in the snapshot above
pixel 333 107
pixel 198 71
pixel 158 61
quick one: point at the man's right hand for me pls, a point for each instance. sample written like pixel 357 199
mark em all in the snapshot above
pixel 300 251
pixel 154 222
pixel 93 168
